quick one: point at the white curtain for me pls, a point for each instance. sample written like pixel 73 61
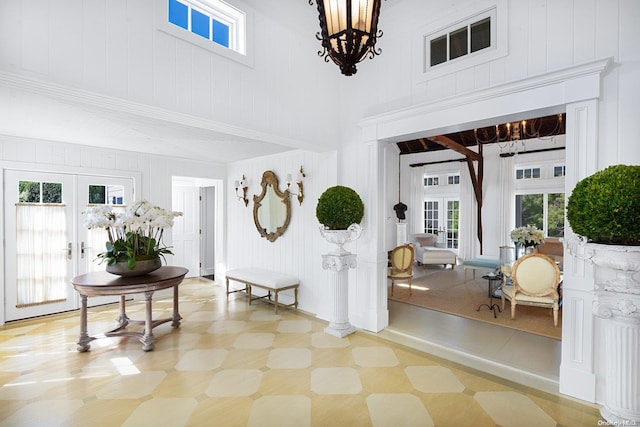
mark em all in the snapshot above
pixel 40 253
pixel 469 246
pixel 507 199
pixel 416 200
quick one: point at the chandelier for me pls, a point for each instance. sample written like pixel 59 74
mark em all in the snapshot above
pixel 510 136
pixel 348 31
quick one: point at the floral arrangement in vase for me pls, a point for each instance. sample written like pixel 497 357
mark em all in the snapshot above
pixel 527 236
pixel 134 234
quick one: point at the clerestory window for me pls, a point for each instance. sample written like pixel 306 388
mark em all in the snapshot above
pixel 213 20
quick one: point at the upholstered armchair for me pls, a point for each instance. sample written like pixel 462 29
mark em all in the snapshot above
pixel 535 280
pixel 554 249
pixel 401 265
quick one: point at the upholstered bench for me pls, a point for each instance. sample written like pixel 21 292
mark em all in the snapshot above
pixel 271 281
pixel 479 264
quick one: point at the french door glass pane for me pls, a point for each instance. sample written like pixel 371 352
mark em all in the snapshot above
pixel 555 215
pixel 453 217
pixel 431 218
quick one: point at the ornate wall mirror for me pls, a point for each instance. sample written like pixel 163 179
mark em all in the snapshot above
pixel 271 209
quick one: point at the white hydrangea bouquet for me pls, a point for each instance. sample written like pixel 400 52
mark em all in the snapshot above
pixel 133 235
pixel 527 236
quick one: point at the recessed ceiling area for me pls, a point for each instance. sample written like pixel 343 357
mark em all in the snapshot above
pixel 539 127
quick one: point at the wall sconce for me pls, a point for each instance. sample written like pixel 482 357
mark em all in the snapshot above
pixel 299 179
pixel 242 184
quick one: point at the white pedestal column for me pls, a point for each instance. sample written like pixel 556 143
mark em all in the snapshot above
pixel 339 266
pixel 401 236
pixel 621 314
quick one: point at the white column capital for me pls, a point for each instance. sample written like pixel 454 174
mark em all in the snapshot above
pixel 339 262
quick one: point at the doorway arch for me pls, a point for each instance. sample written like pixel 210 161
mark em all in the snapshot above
pixel 576 91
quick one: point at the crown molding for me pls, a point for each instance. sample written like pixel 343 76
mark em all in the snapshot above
pixel 94 100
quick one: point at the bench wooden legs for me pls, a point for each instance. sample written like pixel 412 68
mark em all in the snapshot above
pixel 275 300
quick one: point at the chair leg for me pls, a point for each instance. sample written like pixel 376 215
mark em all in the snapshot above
pixel 409 287
pixel 391 287
pixel 513 309
pixel 555 316
pixel 502 297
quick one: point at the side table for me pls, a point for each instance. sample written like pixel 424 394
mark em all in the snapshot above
pixel 492 279
pixel 103 283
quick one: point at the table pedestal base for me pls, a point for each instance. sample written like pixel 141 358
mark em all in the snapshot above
pixel 145 336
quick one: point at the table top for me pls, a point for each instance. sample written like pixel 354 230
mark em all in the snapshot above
pixel 103 283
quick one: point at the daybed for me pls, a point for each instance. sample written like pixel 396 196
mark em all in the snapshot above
pixel 427 252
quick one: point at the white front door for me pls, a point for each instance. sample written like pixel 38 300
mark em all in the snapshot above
pixel 116 192
pixel 47 243
pixel 39 244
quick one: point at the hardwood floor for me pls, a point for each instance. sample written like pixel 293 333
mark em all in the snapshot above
pixel 232 364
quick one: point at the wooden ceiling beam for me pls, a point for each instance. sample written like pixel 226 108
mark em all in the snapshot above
pixel 451 144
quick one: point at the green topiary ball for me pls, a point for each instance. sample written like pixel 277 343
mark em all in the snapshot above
pixel 339 207
pixel 605 207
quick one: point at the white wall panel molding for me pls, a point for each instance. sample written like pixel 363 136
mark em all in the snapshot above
pixel 119 106
pixel 572 84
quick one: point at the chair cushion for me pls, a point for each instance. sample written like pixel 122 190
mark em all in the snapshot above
pixel 508 292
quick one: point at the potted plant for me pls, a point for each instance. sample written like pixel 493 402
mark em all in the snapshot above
pixel 340 211
pixel 526 239
pixel 604 210
pixel 134 237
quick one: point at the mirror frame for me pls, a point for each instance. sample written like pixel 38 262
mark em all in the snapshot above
pixel 270 178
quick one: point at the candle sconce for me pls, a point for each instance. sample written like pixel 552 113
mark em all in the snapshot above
pixel 242 184
pixel 300 177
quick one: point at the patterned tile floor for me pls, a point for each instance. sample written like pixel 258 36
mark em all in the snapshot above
pixel 231 364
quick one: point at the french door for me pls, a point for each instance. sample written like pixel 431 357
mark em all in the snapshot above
pixel 46 243
pixel 441 217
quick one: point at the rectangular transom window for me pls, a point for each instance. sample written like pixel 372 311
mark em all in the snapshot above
pixel 213 20
pixel 467 37
pixel 528 173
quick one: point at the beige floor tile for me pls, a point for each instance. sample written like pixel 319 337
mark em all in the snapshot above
pixel 131 386
pixel 508 409
pixel 253 341
pixel 281 411
pixel 290 326
pixel 335 381
pixel 433 379
pixel 161 411
pixel 289 358
pixel 201 360
pixel 369 357
pixel 234 382
pixel 43 413
pixel 401 409
pixel 322 340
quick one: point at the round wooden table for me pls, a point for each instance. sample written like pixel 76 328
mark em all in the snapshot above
pixel 102 283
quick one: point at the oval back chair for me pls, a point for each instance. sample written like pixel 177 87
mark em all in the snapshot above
pixel 401 258
pixel 535 282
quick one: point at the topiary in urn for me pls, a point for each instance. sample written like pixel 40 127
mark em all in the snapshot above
pixel 339 207
pixel 605 207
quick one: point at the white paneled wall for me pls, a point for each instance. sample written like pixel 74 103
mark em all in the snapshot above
pixel 114 47
pixel 298 251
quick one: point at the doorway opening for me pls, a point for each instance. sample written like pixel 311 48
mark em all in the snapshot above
pixel 197 234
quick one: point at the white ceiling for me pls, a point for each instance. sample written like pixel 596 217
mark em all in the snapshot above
pixel 149 130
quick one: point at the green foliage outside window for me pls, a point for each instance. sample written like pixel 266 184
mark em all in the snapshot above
pixel 39 192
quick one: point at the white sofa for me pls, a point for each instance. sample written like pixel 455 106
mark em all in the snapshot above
pixel 427 252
